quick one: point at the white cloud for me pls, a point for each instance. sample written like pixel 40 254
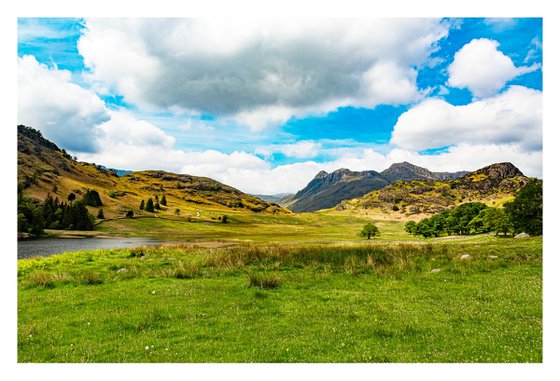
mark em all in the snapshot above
pixel 259 72
pixel 65 112
pixel 513 117
pixel 299 150
pixel 483 69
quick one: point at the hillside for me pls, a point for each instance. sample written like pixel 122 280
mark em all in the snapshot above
pixel 326 190
pixel 492 185
pixel 44 168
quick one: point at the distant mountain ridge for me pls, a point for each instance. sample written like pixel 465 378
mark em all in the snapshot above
pixel 326 190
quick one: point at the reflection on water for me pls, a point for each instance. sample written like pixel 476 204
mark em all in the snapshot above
pixel 43 247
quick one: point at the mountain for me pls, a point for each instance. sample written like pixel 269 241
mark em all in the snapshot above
pixel 327 190
pixel 407 171
pixel 44 168
pixel 492 185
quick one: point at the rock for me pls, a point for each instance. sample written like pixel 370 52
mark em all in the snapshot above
pixel 465 256
pixel 522 235
pixel 435 271
pixel 492 256
pixel 121 270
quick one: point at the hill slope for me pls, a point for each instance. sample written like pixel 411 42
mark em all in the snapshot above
pixel 43 168
pixel 492 185
pixel 326 190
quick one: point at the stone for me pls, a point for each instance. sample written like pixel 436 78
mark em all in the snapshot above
pixel 522 235
pixel 465 256
pixel 492 256
pixel 435 271
pixel 121 270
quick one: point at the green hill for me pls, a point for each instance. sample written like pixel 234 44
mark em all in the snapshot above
pixel 492 185
pixel 44 168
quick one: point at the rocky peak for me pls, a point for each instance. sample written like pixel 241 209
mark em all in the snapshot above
pixel 321 175
pixel 500 171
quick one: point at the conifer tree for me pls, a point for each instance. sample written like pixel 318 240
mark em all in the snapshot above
pixel 150 205
pixel 163 201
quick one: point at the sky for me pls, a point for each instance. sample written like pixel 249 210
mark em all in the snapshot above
pixel 265 104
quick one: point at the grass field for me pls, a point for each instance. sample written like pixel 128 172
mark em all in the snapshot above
pixel 354 301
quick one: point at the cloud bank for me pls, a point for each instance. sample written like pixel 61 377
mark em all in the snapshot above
pixel 259 73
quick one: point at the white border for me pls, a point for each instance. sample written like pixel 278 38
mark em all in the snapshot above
pixel 286 8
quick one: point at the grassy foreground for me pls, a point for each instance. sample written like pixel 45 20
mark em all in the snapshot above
pixel 367 302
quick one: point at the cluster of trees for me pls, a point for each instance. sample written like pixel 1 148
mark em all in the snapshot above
pixel 34 216
pixel 151 205
pixel 523 214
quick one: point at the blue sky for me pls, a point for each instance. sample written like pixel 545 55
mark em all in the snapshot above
pixel 263 106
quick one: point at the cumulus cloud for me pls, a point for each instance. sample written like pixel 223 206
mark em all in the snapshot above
pixel 259 73
pixel 65 112
pixel 513 117
pixel 480 67
pixel 299 150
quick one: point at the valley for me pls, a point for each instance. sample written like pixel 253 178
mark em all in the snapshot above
pixel 222 276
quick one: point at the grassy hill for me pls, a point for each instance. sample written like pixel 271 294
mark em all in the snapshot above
pixel 44 168
pixel 492 185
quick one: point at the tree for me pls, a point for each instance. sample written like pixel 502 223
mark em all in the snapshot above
pixel 525 211
pixel 177 211
pixel 163 201
pixel 71 198
pixel 156 206
pixel 129 214
pixel 91 198
pixel 100 214
pixel 150 205
pixel 410 227
pixel 369 230
pixel 141 205
pixel 225 219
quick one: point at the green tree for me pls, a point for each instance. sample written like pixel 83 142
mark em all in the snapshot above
pixel 91 198
pixel 225 219
pixel 163 201
pixel 71 198
pixel 177 211
pixel 100 214
pixel 129 214
pixel 410 227
pixel 525 211
pixel 142 205
pixel 369 230
pixel 156 206
pixel 150 205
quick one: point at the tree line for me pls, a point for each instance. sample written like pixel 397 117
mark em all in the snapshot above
pixel 523 214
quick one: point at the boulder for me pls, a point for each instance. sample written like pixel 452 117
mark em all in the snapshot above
pixel 522 235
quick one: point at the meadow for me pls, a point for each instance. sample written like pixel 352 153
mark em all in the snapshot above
pixel 393 299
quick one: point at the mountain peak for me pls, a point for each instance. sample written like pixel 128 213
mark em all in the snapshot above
pixel 321 175
pixel 500 171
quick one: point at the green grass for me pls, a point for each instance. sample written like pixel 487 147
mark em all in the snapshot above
pixel 346 302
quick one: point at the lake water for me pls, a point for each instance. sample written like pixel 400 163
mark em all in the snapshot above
pixel 43 247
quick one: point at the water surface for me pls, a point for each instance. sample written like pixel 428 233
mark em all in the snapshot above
pixel 43 247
